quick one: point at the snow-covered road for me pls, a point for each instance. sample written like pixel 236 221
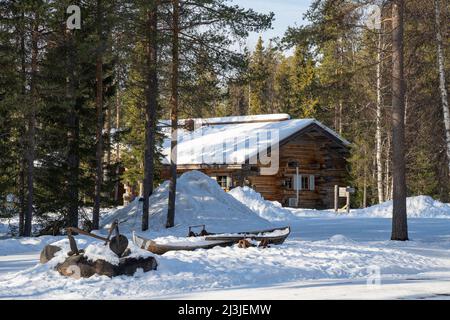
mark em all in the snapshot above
pixel 324 258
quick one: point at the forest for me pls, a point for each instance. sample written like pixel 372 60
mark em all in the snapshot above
pixel 69 97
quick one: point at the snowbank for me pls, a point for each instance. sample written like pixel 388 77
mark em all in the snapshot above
pixel 417 207
pixel 199 200
pixel 269 210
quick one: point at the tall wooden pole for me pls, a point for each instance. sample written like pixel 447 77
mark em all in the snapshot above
pixel 336 198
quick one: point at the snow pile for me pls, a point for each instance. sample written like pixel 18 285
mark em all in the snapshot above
pixel 98 251
pixel 269 210
pixel 417 207
pixel 199 200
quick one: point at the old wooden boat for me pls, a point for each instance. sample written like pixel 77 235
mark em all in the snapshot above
pixel 269 236
pixel 266 237
pixel 161 248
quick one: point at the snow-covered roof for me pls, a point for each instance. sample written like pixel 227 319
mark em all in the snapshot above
pixel 233 139
pixel 232 120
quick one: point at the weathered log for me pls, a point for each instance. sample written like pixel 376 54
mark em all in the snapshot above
pixel 78 266
pixel 48 253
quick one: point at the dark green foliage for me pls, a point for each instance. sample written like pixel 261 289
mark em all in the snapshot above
pixel 328 73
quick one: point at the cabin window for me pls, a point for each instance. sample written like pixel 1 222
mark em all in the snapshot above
pixel 308 182
pixel 305 183
pixel 224 182
pixel 287 183
pixel 312 183
pixel 302 182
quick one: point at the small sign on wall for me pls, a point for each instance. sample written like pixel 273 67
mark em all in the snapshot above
pixel 342 192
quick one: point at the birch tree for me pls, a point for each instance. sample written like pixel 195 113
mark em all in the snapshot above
pixel 378 118
pixel 442 84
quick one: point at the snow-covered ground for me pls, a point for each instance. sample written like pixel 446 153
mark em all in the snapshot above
pixel 327 256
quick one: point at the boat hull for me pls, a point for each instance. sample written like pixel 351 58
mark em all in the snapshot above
pixel 271 236
pixel 158 248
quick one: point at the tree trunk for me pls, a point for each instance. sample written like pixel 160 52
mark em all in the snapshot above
pixel 22 194
pixel 107 144
pixel 341 84
pixel 23 161
pixel 100 120
pixel 117 186
pixel 151 95
pixel 73 135
pixel 30 152
pixel 173 116
pixel 378 123
pixel 399 217
pixel 442 84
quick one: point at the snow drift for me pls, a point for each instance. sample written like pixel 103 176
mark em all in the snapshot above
pixel 417 207
pixel 269 210
pixel 199 200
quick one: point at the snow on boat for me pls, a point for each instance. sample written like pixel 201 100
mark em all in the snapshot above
pixel 270 236
pixel 189 244
pixel 161 246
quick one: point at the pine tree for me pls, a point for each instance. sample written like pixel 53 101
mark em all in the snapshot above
pixel 100 116
pixel 399 219
pixel 303 81
pixel 258 80
pixel 151 95
pixel 175 65
pixel 187 36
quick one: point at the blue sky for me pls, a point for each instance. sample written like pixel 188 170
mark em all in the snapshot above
pixel 287 13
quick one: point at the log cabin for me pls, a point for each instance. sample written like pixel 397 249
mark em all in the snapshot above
pixel 296 162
